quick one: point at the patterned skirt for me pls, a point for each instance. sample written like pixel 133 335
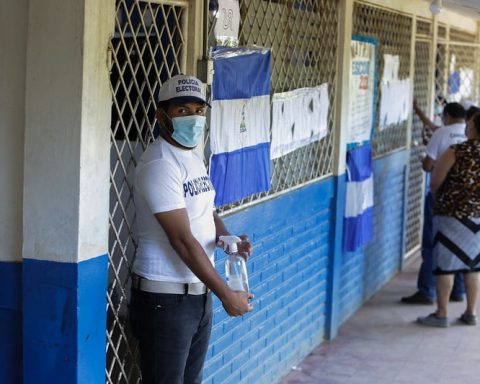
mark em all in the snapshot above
pixel 456 245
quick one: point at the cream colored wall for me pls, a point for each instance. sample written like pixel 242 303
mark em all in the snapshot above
pixel 67 146
pixel 13 30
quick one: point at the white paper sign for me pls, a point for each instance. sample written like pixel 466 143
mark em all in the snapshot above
pixel 362 91
pixel 227 23
pixel 391 66
pixel 394 103
pixel 299 117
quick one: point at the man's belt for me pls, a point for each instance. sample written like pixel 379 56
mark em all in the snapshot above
pixel 154 286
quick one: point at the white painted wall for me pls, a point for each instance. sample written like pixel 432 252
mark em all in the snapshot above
pixel 13 30
pixel 67 127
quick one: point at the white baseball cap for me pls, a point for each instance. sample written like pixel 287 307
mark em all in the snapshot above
pixel 467 104
pixel 181 89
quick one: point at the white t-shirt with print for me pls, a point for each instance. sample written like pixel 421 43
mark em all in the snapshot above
pixel 169 178
pixel 443 138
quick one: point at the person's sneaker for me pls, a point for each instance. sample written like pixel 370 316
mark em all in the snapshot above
pixel 417 298
pixel 456 299
pixel 433 320
pixel 468 319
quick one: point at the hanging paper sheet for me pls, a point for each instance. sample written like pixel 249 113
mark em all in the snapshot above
pixel 227 21
pixel 391 67
pixel 362 89
pixel 394 102
pixel 240 123
pixel 299 117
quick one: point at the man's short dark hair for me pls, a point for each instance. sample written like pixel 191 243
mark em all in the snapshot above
pixel 454 110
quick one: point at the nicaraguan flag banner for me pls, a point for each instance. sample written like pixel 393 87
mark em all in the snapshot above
pixel 240 123
pixel 358 229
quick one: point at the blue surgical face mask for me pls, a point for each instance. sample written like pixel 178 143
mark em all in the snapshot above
pixel 438 110
pixel 188 130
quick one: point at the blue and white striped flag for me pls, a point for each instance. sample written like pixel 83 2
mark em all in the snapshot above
pixel 240 124
pixel 358 229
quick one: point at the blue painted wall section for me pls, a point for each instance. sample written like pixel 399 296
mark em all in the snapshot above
pixel 10 322
pixel 64 320
pixel 288 274
pixel 368 269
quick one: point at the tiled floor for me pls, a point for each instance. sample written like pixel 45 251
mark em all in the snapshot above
pixel 382 344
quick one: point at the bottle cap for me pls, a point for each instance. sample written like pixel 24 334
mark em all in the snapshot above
pixel 230 242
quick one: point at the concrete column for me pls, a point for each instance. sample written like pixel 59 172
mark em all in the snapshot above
pixel 13 31
pixel 66 184
pixel 341 132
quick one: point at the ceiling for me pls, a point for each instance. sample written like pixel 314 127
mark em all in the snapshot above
pixel 469 8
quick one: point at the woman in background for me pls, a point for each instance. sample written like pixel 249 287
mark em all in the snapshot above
pixel 455 183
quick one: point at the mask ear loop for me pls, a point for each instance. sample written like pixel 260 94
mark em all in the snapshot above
pixel 170 128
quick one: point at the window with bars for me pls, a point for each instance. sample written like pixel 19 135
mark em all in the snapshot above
pixel 148 47
pixel 393 32
pixel 303 38
pixel 457 67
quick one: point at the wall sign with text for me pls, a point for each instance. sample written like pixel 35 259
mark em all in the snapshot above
pixel 362 97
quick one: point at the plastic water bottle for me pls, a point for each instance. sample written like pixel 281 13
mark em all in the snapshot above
pixel 235 266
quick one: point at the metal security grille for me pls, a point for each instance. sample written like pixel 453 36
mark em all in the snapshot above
pixel 416 176
pixel 457 67
pixel 148 47
pixel 303 38
pixel 393 32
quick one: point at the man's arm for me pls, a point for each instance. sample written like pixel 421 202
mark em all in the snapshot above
pixel 177 228
pixel 423 118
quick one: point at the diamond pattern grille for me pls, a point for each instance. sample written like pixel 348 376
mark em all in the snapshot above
pixel 303 38
pixel 457 68
pixel 393 32
pixel 147 48
pixel 416 175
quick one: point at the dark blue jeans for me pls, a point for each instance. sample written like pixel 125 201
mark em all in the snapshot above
pixel 426 279
pixel 173 333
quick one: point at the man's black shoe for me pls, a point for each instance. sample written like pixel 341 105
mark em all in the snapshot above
pixel 417 298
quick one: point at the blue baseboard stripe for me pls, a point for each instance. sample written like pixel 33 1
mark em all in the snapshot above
pixel 64 321
pixel 11 322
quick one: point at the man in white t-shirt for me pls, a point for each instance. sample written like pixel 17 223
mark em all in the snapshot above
pixel 452 132
pixel 178 229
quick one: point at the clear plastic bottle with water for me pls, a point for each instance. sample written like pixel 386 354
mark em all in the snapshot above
pixel 235 266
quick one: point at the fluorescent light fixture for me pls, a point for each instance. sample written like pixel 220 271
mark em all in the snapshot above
pixel 436 7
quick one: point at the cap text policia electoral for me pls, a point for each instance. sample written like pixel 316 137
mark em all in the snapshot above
pixel 184 87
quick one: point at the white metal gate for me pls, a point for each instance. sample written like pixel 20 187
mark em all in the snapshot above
pixel 416 175
pixel 149 46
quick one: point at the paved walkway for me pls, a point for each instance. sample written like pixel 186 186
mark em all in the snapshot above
pixel 382 344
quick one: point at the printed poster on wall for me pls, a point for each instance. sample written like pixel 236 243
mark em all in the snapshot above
pixel 299 117
pixel 362 89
